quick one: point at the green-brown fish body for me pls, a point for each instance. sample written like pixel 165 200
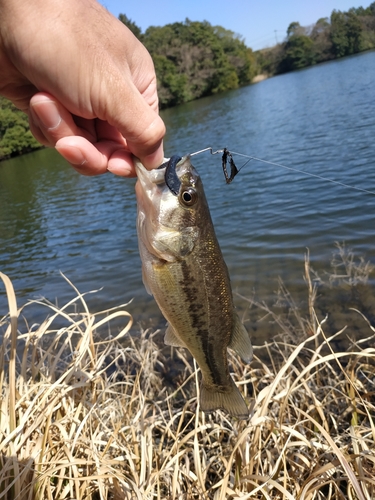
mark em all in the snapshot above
pixel 183 268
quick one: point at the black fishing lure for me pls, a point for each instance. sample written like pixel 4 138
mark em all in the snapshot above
pixel 233 169
pixel 170 176
pixel 174 183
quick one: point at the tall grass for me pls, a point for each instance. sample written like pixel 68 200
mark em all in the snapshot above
pixel 84 417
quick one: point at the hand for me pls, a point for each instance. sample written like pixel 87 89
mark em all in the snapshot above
pixel 86 82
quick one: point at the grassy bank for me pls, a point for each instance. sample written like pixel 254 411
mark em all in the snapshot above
pixel 83 416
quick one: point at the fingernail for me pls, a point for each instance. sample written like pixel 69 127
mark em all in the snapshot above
pixel 47 113
pixel 154 160
pixel 121 169
pixel 73 155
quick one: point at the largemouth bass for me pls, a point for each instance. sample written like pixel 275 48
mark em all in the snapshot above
pixel 183 268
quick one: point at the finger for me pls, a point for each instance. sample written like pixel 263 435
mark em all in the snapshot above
pixel 122 158
pixel 95 159
pixel 143 128
pixel 50 121
pixel 141 125
pixel 121 163
pixel 53 125
pixel 145 137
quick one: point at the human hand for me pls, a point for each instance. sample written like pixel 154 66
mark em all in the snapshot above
pixel 86 82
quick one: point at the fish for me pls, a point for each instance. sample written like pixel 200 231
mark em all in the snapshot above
pixel 184 269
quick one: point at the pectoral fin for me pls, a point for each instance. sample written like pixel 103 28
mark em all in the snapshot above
pixel 172 339
pixel 145 281
pixel 240 341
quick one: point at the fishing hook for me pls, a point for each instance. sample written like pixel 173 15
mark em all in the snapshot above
pixel 224 161
pixel 310 174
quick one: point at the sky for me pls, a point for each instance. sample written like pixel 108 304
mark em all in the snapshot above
pixel 262 23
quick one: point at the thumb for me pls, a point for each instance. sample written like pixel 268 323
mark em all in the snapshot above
pixel 139 123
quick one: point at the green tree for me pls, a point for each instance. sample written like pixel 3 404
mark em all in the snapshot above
pixel 354 33
pixel 195 59
pixel 15 136
pixel 368 27
pixel 346 33
pixel 240 57
pixel 172 86
pixel 298 50
pixel 338 34
pixel 343 34
pixel 294 29
pixel 321 36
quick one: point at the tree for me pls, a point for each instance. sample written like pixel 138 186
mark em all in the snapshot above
pixel 321 36
pixel 15 136
pixel 354 33
pixel 298 50
pixel 172 86
pixel 338 34
pixel 240 57
pixel 294 29
pixel 299 53
pixel 346 32
pixel 194 59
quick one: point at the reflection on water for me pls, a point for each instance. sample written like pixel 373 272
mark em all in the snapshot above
pixel 320 120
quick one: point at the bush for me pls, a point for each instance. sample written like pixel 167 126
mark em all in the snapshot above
pixel 15 135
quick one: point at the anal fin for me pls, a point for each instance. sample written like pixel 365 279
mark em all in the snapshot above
pixel 240 341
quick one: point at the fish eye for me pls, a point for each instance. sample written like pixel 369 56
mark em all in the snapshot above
pixel 189 197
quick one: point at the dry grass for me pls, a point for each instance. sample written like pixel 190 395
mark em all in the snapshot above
pixel 87 418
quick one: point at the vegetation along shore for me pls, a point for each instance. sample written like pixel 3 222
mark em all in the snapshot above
pixel 90 416
pixel 196 59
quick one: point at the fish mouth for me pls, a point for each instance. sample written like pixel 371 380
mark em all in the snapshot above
pixel 149 177
pixel 173 180
pixel 168 173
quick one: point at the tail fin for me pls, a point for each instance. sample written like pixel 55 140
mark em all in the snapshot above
pixel 229 400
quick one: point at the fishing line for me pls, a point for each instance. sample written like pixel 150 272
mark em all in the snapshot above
pixel 225 151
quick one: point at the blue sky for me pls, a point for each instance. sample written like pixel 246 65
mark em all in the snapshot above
pixel 255 20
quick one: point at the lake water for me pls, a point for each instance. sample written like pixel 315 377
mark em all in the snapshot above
pixel 321 120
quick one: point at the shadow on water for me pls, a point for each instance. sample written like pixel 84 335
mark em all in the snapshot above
pixel 319 120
